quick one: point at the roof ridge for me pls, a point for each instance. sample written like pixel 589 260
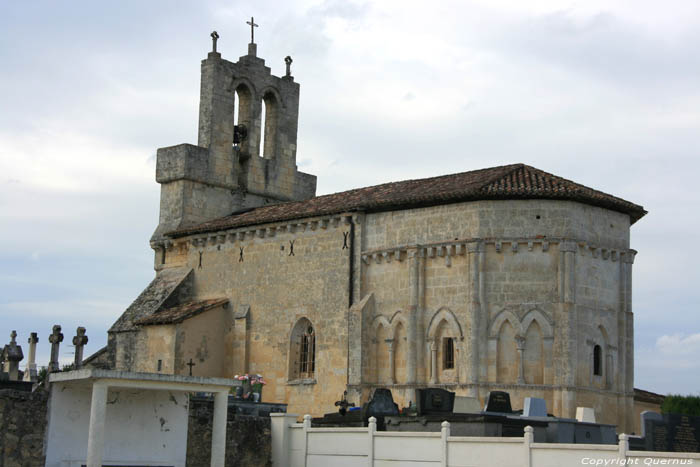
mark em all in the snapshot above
pixel 514 168
pixel 436 177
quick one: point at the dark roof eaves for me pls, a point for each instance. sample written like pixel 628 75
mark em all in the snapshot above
pixel 634 211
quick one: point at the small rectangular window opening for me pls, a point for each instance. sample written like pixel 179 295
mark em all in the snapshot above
pixel 449 353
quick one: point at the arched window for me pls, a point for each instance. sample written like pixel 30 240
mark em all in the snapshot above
pixel 241 113
pixel 268 125
pixel 302 363
pixel 597 362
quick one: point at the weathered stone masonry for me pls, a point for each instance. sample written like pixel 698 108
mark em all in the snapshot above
pixel 502 278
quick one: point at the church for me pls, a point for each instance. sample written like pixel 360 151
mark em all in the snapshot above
pixel 505 278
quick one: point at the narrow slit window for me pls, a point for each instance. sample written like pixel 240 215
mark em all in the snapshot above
pixel 597 364
pixel 449 353
pixel 307 354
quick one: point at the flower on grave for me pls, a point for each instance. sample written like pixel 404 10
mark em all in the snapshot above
pixel 252 378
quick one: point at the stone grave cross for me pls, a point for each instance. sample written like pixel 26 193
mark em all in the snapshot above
pixel 12 355
pixel 30 369
pixel 252 30
pixel 79 341
pixel 55 339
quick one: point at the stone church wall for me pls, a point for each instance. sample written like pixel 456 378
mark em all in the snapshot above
pixel 519 293
pixel 300 272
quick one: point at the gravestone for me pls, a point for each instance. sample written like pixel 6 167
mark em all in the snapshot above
pixel 30 373
pixel 466 405
pixel 434 401
pixel 11 356
pixel 534 407
pixel 673 433
pixel 382 403
pixel 498 401
pixel 649 415
pixel 585 414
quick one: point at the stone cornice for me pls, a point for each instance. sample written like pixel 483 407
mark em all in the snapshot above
pixel 453 248
pixel 263 231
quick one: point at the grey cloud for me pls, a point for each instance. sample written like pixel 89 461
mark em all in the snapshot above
pixel 605 47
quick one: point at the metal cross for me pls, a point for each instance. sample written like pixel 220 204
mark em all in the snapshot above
pixel 252 30
pixel 190 364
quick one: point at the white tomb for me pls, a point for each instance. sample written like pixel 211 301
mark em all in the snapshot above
pixel 585 414
pixel 108 417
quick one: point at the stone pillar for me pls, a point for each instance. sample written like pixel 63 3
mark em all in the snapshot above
pixel 433 362
pixel 218 430
pixel 279 426
pixel 520 346
pixel 412 321
pixel 567 297
pixel 96 433
pixel 476 310
pixel 420 321
pixel 629 323
pixel 30 373
pixel 79 341
pixel 55 339
pixel 241 338
pixel 390 343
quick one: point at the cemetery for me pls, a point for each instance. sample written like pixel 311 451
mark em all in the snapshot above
pixel 194 420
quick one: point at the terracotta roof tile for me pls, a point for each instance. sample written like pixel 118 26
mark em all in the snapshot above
pixel 516 181
pixel 181 312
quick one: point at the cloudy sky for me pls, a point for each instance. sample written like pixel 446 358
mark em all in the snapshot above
pixel 606 93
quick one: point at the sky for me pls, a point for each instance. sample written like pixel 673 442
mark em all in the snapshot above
pixel 606 93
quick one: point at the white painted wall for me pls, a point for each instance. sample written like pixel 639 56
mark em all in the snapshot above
pixel 142 426
pixel 298 445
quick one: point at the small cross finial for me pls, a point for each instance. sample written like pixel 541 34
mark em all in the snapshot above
pixel 288 62
pixel 252 30
pixel 214 37
pixel 13 336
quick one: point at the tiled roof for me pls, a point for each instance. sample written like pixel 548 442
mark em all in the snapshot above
pixel 181 312
pixel 648 396
pixel 516 181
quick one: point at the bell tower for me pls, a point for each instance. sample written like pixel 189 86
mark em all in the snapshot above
pixel 245 156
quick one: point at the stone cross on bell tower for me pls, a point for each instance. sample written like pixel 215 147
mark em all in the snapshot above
pixel 55 339
pixel 214 37
pixel 246 151
pixel 252 47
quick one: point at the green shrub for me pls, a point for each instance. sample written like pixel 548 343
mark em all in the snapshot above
pixel 686 405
